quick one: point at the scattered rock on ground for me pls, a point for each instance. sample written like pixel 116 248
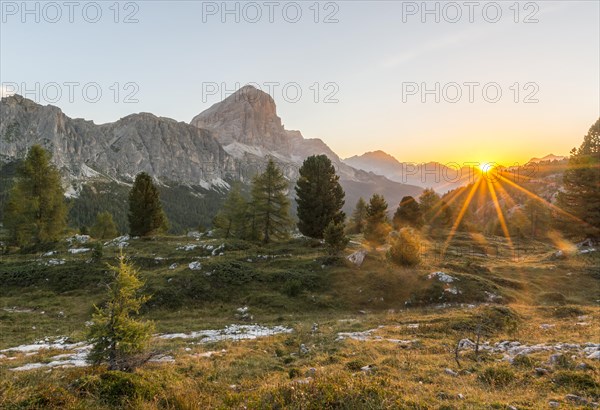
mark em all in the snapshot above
pixel 450 372
pixel 358 257
pixel 368 369
pixel 75 251
pixel 79 239
pixel 442 277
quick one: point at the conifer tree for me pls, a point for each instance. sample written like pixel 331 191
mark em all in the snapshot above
pixel 320 196
pixel 335 237
pixel 146 216
pixel 117 338
pixel 538 215
pixel 104 227
pixel 36 211
pixel 359 217
pixel 408 214
pixel 270 205
pixel 429 202
pixel 581 196
pixel 377 227
pixel 232 220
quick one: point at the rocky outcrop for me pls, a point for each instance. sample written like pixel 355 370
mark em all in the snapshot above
pixel 230 141
pixel 171 151
pixel 247 125
pixel 249 117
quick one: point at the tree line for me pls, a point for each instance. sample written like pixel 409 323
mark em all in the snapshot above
pixel 35 210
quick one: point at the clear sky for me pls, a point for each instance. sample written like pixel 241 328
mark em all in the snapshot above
pixel 369 61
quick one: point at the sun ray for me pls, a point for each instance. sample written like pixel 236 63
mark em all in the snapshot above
pixel 453 197
pixel 542 200
pixel 460 215
pixel 500 214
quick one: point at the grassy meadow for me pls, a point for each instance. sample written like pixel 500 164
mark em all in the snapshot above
pixel 369 337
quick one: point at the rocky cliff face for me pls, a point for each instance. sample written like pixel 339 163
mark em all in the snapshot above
pixel 230 141
pixel 171 151
pixel 249 117
pixel 247 125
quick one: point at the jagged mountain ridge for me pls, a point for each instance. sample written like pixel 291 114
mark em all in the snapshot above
pixel 171 151
pixel 247 125
pixel 229 141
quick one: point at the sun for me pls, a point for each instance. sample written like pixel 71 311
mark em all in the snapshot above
pixel 486 167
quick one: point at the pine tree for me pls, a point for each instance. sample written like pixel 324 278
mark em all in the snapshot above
pixel 146 216
pixel 359 217
pixel 581 197
pixel 36 211
pixel 377 227
pixel 117 338
pixel 270 205
pixel 335 237
pixel 320 196
pixel 104 227
pixel 232 220
pixel 429 202
pixel 408 214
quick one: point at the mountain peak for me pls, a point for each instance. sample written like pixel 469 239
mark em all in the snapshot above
pixel 250 94
pixel 248 116
pixel 377 155
pixel 549 157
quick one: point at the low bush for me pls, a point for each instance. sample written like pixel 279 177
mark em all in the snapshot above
pixel 116 388
pixel 552 298
pixel 497 377
pixel 292 287
pixel 405 248
pixel 576 382
pixel 523 361
pixel 567 311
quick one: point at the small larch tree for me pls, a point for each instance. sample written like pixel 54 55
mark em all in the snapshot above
pixel 146 216
pixel 319 195
pixel 358 221
pixel 377 227
pixel 104 227
pixel 405 248
pixel 270 218
pixel 119 339
pixel 36 211
pixel 232 220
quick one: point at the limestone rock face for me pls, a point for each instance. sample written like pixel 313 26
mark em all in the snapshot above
pixel 167 149
pixel 249 117
pixel 247 125
pixel 230 141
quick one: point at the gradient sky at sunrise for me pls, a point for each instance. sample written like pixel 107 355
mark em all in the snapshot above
pixel 179 50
